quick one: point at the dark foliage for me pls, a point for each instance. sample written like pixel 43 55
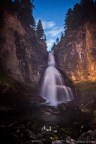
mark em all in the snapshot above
pixel 25 14
pixel 57 40
pixel 24 11
pixel 39 30
pixel 80 14
pixel 6 4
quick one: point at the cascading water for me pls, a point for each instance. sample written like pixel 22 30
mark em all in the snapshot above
pixel 53 89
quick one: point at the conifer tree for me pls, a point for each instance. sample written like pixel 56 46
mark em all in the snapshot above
pixel 69 19
pixel 87 9
pixel 17 5
pixel 62 36
pixel 40 31
pixel 77 19
pixel 26 14
pixel 53 47
pixel 6 4
pixel 57 40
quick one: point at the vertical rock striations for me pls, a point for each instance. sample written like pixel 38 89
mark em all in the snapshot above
pixel 76 53
pixel 23 55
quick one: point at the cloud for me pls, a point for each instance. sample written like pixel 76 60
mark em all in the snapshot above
pixel 56 31
pixel 48 25
pixel 50 43
pixel 52 31
pixel 52 34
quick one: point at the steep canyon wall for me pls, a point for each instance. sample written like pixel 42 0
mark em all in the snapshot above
pixel 22 55
pixel 76 53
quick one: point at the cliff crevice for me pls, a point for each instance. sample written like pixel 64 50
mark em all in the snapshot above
pixel 23 56
pixel 76 53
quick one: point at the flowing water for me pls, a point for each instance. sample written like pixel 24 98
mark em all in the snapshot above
pixel 53 89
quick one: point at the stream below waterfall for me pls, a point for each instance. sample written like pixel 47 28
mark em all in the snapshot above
pixel 53 118
pixel 43 124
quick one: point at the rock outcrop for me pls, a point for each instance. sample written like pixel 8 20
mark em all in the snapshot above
pixel 22 55
pixel 76 53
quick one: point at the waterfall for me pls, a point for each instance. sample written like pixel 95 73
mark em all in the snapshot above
pixel 53 89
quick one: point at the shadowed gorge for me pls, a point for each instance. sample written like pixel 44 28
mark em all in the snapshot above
pixel 47 97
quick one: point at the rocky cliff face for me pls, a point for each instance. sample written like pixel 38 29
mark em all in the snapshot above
pixel 76 53
pixel 23 56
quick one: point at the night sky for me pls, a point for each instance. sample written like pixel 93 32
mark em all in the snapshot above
pixel 52 13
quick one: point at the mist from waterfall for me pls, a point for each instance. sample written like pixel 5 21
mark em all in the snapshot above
pixel 53 89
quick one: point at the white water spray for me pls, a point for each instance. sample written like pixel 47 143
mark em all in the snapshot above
pixel 53 89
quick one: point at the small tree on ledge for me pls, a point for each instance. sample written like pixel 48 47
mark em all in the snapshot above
pixel 40 31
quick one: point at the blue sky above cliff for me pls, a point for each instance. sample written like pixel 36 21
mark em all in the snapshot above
pixel 52 13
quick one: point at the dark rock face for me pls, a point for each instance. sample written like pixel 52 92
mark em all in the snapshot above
pixel 23 56
pixel 76 53
pixel 88 137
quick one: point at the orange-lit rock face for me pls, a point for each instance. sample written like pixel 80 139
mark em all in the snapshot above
pixel 76 53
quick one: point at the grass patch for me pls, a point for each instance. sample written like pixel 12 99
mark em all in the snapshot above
pixel 88 87
pixel 86 92
pixel 12 92
pixel 6 80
